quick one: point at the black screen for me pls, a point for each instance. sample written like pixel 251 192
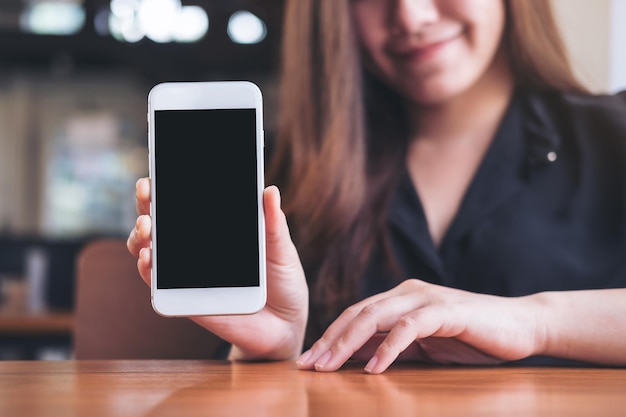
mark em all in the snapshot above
pixel 206 198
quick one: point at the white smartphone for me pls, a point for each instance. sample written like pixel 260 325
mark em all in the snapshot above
pixel 206 167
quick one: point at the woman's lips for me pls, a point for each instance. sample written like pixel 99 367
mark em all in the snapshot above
pixel 422 52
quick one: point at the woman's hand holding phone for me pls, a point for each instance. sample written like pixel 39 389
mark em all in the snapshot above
pixel 275 332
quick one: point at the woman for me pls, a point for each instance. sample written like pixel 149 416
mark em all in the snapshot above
pixel 454 194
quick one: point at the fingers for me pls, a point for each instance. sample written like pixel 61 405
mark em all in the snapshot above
pixel 417 324
pixel 140 236
pixel 144 265
pixel 411 311
pixel 142 196
pixel 358 324
pixel 138 242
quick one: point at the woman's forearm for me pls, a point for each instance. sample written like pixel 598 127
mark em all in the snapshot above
pixel 588 325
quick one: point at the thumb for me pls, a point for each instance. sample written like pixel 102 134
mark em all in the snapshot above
pixel 277 235
pixel 280 250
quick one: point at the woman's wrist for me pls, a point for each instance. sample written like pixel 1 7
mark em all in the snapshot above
pixel 286 348
pixel 584 325
pixel 538 305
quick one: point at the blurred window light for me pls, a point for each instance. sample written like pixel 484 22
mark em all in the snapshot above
pixel 192 24
pixel 124 9
pixel 53 17
pixel 122 21
pixel 124 30
pixel 246 28
pixel 161 21
pixel 156 19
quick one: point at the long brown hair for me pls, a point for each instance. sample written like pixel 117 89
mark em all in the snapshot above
pixel 342 137
pixel 535 48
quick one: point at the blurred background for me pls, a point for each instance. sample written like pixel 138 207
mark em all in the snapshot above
pixel 74 78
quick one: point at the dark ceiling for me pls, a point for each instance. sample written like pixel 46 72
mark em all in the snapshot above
pixel 87 50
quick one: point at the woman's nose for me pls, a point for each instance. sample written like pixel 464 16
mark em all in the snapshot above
pixel 408 16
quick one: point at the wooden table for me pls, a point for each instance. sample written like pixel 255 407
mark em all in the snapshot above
pixel 219 388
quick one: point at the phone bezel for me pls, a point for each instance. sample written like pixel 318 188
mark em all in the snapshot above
pixel 201 95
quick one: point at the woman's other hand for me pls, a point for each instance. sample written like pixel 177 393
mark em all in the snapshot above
pixel 426 322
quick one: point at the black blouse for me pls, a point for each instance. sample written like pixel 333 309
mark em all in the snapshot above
pixel 545 210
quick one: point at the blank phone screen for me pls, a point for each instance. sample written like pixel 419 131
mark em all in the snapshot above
pixel 205 163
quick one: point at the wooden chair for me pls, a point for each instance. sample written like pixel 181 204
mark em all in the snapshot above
pixel 114 318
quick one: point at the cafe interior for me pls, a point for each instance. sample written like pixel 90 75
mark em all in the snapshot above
pixel 74 78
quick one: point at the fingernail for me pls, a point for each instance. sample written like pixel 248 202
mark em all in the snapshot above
pixel 371 364
pixel 323 360
pixel 302 360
